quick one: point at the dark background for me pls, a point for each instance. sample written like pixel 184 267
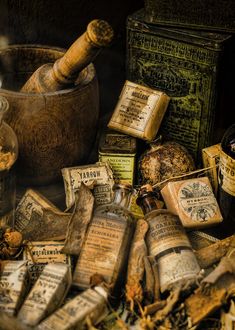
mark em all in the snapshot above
pixel 59 23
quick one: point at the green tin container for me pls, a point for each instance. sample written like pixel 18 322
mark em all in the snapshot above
pixel 185 65
pixel 120 151
pixel 197 14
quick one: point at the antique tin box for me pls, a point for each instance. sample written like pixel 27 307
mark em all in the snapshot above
pixel 199 14
pixel 184 64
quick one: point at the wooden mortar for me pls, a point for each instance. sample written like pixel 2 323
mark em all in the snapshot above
pixel 55 129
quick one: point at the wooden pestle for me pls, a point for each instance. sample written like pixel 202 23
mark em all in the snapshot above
pixel 53 77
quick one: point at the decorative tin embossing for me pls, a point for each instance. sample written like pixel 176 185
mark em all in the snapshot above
pixel 206 15
pixel 184 64
pixel 98 174
pixel 13 285
pixel 227 173
pixel 197 201
pixel 139 111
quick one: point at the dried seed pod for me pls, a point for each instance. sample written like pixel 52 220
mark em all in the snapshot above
pixel 163 161
pixel 13 238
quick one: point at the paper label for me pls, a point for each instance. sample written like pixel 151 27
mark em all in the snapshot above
pixel 227 173
pixel 39 254
pixel 30 202
pixel 89 303
pixel 174 267
pixel 135 107
pixel 13 284
pixel 199 239
pixel 99 174
pixel 197 201
pixel 165 232
pixel 46 294
pixel 100 251
pixel 122 167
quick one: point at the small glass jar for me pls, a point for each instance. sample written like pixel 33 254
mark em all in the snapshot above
pixel 8 156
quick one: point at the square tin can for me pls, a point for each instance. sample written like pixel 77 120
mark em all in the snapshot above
pixel 119 150
pixel 185 64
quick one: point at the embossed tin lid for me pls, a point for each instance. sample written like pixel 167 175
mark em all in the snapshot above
pixel 197 14
pixel 209 40
pixel 113 142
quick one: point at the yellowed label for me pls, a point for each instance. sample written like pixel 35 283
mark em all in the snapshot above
pixel 73 314
pixel 13 285
pixel 197 201
pixel 38 254
pixel 100 251
pixel 122 167
pixel 227 173
pixel 46 294
pixel 100 175
pixel 165 232
pixel 199 239
pixel 136 109
pixel 30 202
pixel 177 266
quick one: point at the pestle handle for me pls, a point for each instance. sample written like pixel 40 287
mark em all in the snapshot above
pixel 53 77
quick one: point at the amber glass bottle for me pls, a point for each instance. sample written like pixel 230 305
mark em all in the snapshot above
pixel 107 241
pixel 226 191
pixel 167 242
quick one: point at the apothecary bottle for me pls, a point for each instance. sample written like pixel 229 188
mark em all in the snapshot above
pixel 108 239
pixel 226 179
pixel 8 157
pixel 168 243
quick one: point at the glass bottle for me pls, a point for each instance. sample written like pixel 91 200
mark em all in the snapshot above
pixel 226 179
pixel 8 156
pixel 167 242
pixel 107 243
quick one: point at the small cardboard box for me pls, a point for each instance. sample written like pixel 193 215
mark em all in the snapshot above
pixel 139 111
pixel 193 201
pixel 210 158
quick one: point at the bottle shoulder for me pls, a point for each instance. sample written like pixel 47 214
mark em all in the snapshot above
pixel 113 211
pixel 159 212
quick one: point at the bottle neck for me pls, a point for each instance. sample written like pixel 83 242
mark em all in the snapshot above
pixel 148 203
pixel 122 197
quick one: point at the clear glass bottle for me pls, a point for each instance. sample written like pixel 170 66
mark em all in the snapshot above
pixel 8 156
pixel 226 178
pixel 167 242
pixel 108 239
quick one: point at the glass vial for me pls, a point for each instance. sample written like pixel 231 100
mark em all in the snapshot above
pixel 167 242
pixel 8 156
pixel 106 248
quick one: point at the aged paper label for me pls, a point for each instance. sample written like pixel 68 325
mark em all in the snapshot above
pixel 30 202
pixel 137 110
pixel 199 240
pixel 177 266
pixel 100 175
pixel 73 314
pixel 38 254
pixel 47 293
pixel 227 173
pixel 100 251
pixel 13 285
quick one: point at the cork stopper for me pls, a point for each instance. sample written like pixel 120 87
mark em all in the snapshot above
pixel 100 33
pixel 148 199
